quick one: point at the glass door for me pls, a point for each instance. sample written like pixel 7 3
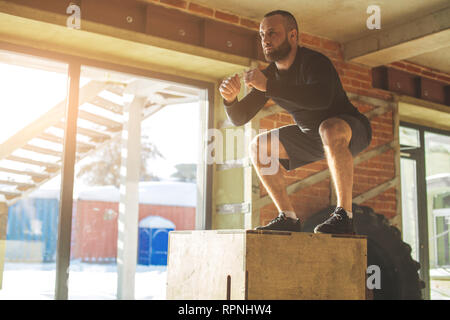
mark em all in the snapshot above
pixel 437 155
pixel 414 203
pixel 425 176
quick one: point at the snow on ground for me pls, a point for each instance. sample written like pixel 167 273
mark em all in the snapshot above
pixel 87 281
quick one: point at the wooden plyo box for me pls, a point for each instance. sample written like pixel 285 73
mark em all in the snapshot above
pixel 265 265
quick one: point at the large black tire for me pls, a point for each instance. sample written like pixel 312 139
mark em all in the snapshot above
pixel 385 248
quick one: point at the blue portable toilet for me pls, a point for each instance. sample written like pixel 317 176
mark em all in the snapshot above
pixel 153 240
pixel 32 228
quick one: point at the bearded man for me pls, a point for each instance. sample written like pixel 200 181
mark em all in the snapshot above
pixel 305 83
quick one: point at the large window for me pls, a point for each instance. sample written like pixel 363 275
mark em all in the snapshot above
pixel 116 110
pixel 425 167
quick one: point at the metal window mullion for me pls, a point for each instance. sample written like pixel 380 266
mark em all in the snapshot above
pixel 67 181
pixel 424 255
pixel 201 175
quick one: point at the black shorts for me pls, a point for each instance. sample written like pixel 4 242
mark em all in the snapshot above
pixel 305 148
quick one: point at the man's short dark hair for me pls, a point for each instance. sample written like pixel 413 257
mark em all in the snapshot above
pixel 289 20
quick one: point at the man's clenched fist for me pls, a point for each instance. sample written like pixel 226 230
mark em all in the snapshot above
pixel 230 87
pixel 256 79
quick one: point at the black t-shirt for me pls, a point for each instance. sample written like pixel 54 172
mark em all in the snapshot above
pixel 310 90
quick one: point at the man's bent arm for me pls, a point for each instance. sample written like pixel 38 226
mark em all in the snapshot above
pixel 241 112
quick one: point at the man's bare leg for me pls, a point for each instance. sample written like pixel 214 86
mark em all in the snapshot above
pixel 275 183
pixel 336 135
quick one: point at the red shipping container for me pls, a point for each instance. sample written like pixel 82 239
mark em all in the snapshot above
pixel 95 226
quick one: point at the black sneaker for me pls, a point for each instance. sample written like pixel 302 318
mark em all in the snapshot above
pixel 338 223
pixel 282 223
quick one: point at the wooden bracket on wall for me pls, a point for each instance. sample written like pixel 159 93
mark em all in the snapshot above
pixel 401 82
pixel 159 21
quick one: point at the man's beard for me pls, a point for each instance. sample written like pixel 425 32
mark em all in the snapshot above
pixel 279 53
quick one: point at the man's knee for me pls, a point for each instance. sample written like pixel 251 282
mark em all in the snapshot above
pixel 335 131
pixel 266 144
pixel 259 145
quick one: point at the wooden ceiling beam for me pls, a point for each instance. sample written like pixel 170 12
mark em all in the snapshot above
pixel 425 34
